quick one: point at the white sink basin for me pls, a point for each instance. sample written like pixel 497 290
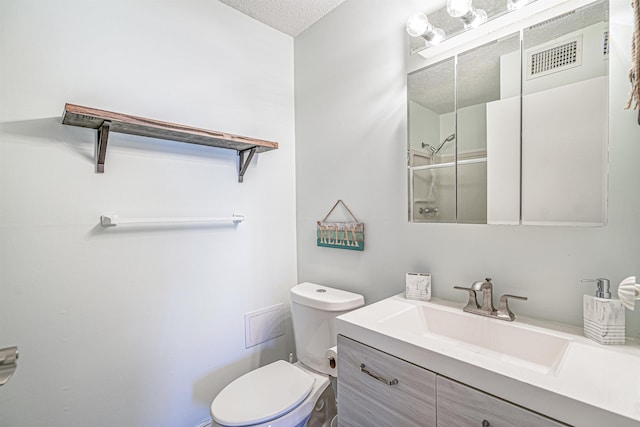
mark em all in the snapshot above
pixel 521 344
pixel 555 363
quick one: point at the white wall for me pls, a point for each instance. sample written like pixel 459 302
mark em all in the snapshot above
pixel 472 129
pixel 138 326
pixel 425 126
pixel 359 50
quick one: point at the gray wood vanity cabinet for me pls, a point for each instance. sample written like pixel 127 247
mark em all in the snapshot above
pixel 381 390
pixel 365 397
pixel 462 406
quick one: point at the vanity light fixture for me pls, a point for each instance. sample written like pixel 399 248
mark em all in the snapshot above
pixel 419 26
pixel 469 15
pixel 457 17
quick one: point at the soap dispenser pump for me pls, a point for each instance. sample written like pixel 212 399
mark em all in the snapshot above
pixel 603 287
pixel 604 320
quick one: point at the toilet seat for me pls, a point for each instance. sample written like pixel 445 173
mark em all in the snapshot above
pixel 262 395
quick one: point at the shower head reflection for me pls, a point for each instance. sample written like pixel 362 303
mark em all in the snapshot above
pixel 435 150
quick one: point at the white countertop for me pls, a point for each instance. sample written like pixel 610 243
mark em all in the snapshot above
pixel 592 384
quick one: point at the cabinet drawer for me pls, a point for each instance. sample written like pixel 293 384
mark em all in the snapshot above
pixel 462 406
pixel 365 401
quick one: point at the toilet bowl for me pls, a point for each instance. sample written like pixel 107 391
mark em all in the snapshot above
pixel 277 395
pixel 283 394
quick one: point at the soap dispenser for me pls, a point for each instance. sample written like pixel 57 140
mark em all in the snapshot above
pixel 603 317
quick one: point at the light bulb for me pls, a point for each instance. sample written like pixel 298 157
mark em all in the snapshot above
pixel 417 24
pixel 434 37
pixel 459 8
pixel 479 17
pixel 463 9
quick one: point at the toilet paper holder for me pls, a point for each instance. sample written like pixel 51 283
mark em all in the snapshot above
pixel 332 362
pixel 8 364
pixel 332 355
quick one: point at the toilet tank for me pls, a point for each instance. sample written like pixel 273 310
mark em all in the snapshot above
pixel 314 309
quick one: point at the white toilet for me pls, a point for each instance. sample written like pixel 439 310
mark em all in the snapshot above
pixel 282 394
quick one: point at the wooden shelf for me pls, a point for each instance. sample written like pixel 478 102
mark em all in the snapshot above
pixel 106 121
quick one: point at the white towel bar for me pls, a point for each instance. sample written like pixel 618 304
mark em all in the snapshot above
pixel 111 220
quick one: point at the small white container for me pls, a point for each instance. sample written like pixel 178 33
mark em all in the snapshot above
pixel 604 320
pixel 418 286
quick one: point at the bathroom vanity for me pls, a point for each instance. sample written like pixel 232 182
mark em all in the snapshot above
pixel 412 363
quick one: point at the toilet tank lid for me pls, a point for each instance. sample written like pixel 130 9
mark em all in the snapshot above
pixel 325 298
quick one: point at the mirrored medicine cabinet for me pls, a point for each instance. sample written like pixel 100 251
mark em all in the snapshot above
pixel 515 131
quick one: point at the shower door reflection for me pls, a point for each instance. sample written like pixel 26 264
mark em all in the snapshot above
pixel 462 120
pixel 434 187
pixel 432 177
pixel 488 126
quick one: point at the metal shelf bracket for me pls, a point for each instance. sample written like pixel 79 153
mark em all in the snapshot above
pixel 101 145
pixel 244 163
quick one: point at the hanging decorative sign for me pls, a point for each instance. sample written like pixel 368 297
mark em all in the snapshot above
pixel 341 234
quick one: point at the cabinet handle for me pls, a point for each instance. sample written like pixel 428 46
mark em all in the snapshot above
pixel 387 382
pixel 485 423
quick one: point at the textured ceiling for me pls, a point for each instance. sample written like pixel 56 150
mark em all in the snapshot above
pixel 288 16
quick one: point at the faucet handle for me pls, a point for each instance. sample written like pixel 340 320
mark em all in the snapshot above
pixel 473 302
pixel 503 310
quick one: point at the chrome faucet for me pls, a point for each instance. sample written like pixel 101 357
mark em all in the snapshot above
pixel 487 309
pixel 487 294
